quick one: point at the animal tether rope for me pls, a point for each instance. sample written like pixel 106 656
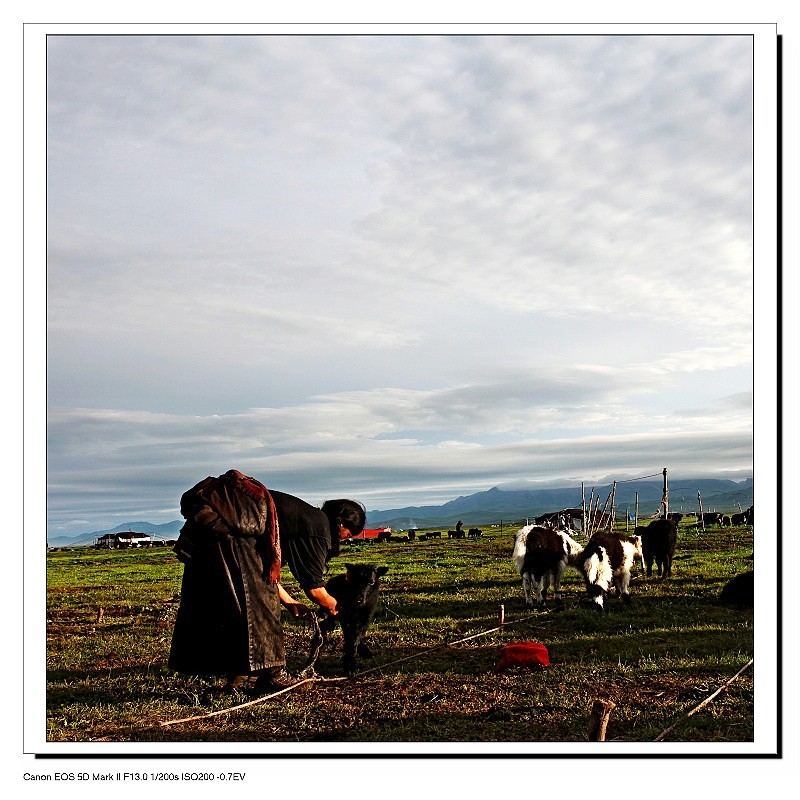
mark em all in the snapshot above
pixel 314 677
pixel 705 702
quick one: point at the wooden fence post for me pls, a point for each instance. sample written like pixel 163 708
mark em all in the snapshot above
pixel 598 721
pixel 700 504
pixel 583 506
pixel 613 507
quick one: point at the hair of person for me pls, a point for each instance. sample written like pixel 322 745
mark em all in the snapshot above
pixel 343 512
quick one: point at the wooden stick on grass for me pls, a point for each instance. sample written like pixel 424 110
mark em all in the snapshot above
pixel 705 702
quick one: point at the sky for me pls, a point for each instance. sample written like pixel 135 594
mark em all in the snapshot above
pixel 394 268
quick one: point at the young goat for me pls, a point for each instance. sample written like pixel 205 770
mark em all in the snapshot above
pixel 356 593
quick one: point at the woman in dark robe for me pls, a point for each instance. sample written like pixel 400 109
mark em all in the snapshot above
pixel 228 622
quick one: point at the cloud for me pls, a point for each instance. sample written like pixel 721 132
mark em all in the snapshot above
pixel 393 266
pixel 388 444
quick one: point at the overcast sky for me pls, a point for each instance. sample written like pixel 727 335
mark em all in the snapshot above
pixel 394 268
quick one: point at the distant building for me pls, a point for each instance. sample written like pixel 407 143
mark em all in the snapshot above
pixel 118 541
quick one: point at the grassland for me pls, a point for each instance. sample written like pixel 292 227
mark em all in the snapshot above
pixel 110 617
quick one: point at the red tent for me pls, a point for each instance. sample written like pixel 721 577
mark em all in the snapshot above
pixel 371 533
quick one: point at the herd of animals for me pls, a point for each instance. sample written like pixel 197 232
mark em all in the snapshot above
pixel 541 555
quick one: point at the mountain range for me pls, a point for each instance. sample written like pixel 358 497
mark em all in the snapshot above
pixel 509 506
pixel 515 505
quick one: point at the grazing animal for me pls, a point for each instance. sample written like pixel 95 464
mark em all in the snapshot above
pixel 456 534
pixel 739 519
pixel 739 591
pixel 658 544
pixel 473 533
pixel 434 534
pixel 712 518
pixel 356 593
pixel 675 516
pixel 605 561
pixel 540 556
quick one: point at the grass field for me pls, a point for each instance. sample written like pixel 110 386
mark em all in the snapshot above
pixel 110 617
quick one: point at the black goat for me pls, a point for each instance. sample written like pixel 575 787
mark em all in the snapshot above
pixel 356 593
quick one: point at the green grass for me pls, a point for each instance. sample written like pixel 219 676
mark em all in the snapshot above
pixel 108 680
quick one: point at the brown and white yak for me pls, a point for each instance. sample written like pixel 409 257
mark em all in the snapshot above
pixel 540 556
pixel 606 561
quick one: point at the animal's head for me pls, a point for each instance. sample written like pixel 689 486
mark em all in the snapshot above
pixel 364 578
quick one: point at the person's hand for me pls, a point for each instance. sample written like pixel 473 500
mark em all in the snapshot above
pixel 325 601
pixel 329 605
pixel 299 611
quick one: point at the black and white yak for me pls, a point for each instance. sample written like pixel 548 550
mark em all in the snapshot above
pixel 540 556
pixel 606 561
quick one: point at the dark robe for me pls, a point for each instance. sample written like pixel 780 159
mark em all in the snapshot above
pixel 228 622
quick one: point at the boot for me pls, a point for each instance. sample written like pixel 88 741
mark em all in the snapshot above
pixel 238 683
pixel 273 680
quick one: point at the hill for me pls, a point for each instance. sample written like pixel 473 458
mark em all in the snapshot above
pixel 509 505
pixel 497 504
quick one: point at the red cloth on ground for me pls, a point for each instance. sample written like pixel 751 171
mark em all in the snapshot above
pixel 523 654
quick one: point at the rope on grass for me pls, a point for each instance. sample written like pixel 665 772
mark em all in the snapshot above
pixel 237 707
pixel 446 644
pixel 263 698
pixel 705 702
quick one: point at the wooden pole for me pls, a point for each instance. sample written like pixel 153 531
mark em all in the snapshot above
pixel 636 510
pixel 700 504
pixel 583 506
pixel 613 507
pixel 596 514
pixel 598 721
pixel 665 498
pixel 704 703
pixel 605 505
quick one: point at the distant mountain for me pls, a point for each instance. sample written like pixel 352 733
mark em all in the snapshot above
pixel 496 504
pixel 166 531
pixel 510 505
